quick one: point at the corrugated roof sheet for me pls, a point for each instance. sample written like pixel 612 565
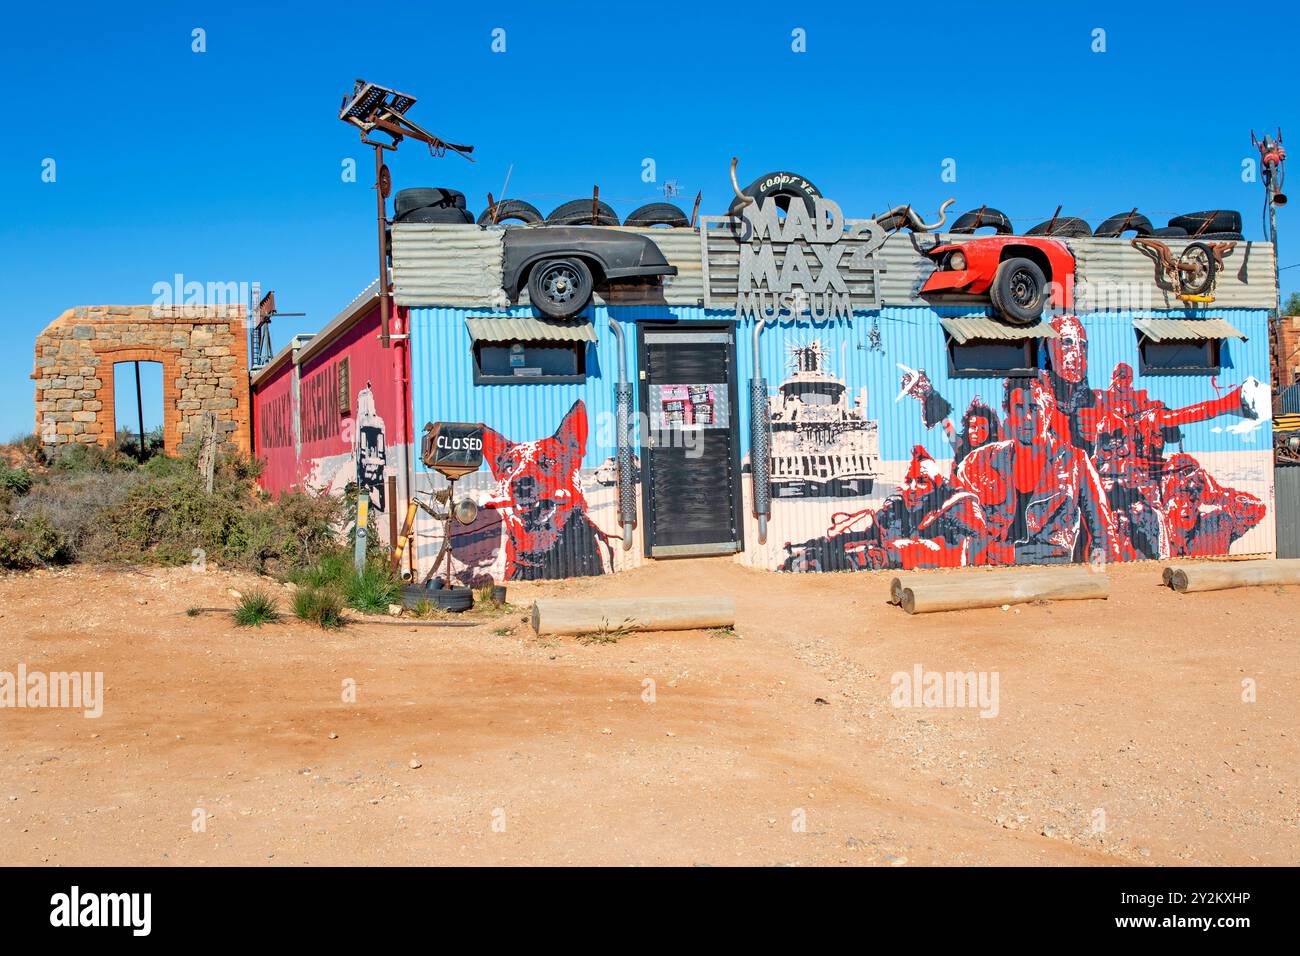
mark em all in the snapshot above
pixel 963 328
pixel 1160 330
pixel 454 265
pixel 503 328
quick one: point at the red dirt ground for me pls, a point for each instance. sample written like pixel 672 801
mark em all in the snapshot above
pixel 1122 736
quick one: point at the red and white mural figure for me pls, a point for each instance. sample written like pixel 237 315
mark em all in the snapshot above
pixel 539 496
pixel 1070 473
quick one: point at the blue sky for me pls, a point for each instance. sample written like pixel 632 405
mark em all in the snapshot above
pixel 225 165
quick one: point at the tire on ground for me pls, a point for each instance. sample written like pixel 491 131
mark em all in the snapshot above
pixel 1019 291
pixel 1220 220
pixel 578 213
pixel 657 214
pixel 511 209
pixel 1116 226
pixel 968 222
pixel 783 187
pixel 1066 227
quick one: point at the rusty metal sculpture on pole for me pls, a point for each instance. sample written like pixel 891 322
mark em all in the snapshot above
pixel 376 109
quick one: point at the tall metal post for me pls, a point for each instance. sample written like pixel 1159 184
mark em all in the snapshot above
pixel 383 252
pixel 139 409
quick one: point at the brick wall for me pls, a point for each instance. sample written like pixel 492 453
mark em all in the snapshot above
pixel 1286 359
pixel 204 355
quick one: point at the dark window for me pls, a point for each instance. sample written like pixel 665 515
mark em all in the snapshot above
pixel 992 357
pixel 523 362
pixel 1179 356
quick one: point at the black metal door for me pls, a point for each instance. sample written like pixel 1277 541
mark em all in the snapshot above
pixel 689 445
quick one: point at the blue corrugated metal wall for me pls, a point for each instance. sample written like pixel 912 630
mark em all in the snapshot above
pixel 1237 455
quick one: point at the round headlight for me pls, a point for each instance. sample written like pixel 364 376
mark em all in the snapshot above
pixel 466 510
pixel 957 262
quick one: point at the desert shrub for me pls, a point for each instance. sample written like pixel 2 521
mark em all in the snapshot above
pixel 97 504
pixel 372 589
pixel 256 608
pixel 16 481
pixel 31 542
pixel 319 606
pixel 79 458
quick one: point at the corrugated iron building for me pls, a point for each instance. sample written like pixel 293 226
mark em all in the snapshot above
pixel 867 415
pixel 332 409
pixel 894 430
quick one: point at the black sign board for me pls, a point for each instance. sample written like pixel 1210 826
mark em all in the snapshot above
pixel 452 448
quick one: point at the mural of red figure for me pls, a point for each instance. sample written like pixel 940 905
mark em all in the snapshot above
pixel 539 495
pixel 1037 493
pixel 1073 474
pixel 924 524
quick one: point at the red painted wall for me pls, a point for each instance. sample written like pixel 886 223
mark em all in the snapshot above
pixel 332 441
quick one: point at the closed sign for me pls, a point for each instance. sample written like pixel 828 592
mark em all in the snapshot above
pixel 452 448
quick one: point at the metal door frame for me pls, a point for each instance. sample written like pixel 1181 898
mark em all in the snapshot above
pixel 733 430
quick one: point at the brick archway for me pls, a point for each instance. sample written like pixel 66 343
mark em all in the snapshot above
pixel 167 357
pixel 203 352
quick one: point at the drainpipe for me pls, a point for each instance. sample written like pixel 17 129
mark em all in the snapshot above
pixel 402 391
pixel 623 423
pixel 760 439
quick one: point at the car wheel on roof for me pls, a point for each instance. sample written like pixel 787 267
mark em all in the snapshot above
pixel 657 214
pixel 1019 291
pixel 1169 232
pixel 560 288
pixel 1064 227
pixel 579 213
pixel 508 210
pixel 985 217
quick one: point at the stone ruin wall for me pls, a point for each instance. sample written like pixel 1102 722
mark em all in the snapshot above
pixel 203 352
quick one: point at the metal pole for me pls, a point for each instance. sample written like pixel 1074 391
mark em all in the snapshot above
pixel 383 257
pixel 139 409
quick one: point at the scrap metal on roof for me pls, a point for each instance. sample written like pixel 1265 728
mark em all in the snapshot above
pixel 964 328
pixel 511 329
pixel 1160 330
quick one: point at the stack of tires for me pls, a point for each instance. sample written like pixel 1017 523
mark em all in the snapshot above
pixel 430 204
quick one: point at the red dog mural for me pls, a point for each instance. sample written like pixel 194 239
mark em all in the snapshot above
pixel 539 495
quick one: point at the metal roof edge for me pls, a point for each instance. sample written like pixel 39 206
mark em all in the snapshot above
pixel 340 323
pixel 296 343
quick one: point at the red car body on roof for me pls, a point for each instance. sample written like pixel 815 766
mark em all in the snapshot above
pixel 985 253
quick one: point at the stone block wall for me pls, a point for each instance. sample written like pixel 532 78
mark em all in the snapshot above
pixel 204 355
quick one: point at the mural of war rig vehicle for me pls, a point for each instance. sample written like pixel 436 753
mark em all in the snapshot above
pixel 820 446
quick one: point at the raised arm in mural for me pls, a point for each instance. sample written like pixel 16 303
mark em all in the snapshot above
pixel 979 425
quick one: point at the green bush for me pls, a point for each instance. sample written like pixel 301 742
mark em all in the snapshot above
pixel 99 505
pixel 17 481
pixel 372 589
pixel 256 608
pixel 319 606
pixel 31 542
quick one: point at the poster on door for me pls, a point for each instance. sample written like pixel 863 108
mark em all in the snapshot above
pixel 689 406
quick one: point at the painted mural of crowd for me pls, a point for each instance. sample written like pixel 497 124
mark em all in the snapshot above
pixel 1066 473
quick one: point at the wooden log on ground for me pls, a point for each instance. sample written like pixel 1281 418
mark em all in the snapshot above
pixel 1221 575
pixel 961 592
pixel 573 616
pixel 922 579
